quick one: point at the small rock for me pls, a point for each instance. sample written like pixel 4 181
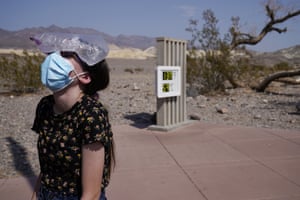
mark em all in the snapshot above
pixel 233 99
pixel 243 105
pixel 189 99
pixel 195 117
pixel 292 121
pixel 257 116
pixel 201 106
pixel 265 101
pixel 222 110
pixel 201 98
pixel 135 87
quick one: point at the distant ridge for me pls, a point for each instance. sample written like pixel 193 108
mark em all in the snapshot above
pixel 289 55
pixel 132 46
pixel 20 39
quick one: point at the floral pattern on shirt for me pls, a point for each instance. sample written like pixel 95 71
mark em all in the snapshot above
pixel 61 138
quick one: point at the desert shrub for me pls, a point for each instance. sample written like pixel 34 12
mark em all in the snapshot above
pixel 211 74
pixel 216 71
pixel 21 73
pixel 138 69
pixel 282 66
pixel 132 71
pixel 261 71
pixel 210 71
pixel 129 70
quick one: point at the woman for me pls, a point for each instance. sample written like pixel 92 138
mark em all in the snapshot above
pixel 75 141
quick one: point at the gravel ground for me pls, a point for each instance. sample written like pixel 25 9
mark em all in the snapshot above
pixel 130 99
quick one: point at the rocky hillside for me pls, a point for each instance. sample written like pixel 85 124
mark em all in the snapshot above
pixel 20 39
pixel 289 55
pixel 132 47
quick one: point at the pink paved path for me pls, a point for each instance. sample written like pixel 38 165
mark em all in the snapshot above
pixel 199 161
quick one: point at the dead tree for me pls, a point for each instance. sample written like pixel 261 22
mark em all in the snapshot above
pixel 264 84
pixel 239 38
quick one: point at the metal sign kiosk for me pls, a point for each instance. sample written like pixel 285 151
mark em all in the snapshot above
pixel 168 81
pixel 170 84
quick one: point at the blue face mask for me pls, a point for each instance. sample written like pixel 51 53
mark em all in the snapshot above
pixel 55 72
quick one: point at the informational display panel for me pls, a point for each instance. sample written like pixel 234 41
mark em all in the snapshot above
pixel 168 81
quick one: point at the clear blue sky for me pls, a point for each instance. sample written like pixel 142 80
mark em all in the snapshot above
pixel 145 17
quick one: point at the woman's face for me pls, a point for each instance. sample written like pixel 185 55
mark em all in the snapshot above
pixel 77 67
pixel 78 73
pixel 76 63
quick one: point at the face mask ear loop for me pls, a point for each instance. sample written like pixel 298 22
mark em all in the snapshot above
pixel 77 75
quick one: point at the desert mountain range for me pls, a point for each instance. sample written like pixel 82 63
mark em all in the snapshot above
pixel 121 46
pixel 124 46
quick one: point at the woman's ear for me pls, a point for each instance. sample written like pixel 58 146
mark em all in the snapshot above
pixel 85 78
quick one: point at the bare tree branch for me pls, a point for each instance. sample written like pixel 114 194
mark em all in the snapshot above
pixel 264 84
pixel 239 38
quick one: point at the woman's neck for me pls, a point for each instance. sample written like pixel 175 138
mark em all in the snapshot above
pixel 65 100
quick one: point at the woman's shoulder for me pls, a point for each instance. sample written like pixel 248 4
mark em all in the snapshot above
pixel 93 105
pixel 47 98
pixel 45 101
pixel 94 114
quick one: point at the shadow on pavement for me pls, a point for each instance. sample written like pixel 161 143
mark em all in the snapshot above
pixel 141 120
pixel 21 161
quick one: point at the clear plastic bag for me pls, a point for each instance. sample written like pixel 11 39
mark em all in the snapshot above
pixel 91 48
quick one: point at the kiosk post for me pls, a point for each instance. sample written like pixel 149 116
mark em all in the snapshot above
pixel 171 84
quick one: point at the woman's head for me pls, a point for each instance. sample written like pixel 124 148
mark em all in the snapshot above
pixel 98 74
pixel 89 50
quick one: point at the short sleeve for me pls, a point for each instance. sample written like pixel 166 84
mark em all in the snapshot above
pixel 96 127
pixel 38 115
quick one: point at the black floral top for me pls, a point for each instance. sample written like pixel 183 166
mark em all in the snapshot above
pixel 61 138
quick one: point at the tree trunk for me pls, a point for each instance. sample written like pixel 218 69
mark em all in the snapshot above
pixel 264 84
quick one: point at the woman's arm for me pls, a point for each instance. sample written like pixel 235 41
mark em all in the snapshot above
pixel 92 170
pixel 36 187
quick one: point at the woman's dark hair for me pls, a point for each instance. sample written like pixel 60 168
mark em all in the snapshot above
pixel 99 74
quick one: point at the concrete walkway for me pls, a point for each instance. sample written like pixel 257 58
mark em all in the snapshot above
pixel 199 161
